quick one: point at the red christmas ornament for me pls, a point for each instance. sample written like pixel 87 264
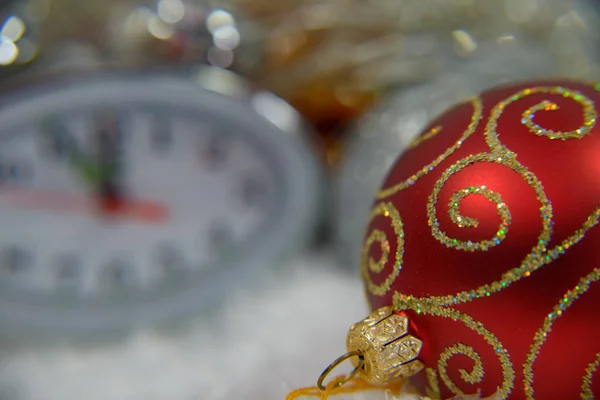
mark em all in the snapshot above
pixel 484 234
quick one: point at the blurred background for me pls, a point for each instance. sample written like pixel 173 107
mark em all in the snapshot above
pixel 184 184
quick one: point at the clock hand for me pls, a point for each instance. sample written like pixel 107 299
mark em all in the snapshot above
pixel 109 188
pixel 100 178
pixel 92 173
pixel 101 171
pixel 62 145
pixel 145 211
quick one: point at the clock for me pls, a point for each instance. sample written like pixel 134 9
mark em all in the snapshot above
pixel 129 199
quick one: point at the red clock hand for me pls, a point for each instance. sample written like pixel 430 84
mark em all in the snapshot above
pixel 56 202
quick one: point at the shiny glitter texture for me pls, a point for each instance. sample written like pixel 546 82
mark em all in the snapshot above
pixel 431 166
pixel 472 377
pixel 380 237
pixel 540 337
pixel 433 386
pixel 422 138
pixel 586 387
pixel 590 118
pixel 477 373
pixel 462 222
pixel 492 230
pixel 369 265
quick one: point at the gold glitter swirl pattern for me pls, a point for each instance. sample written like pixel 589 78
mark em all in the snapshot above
pixel 589 114
pixel 591 221
pixel 472 377
pixel 531 262
pixel 508 372
pixel 540 255
pixel 586 386
pixel 380 237
pixel 462 221
pixel 541 335
pixel 433 386
pixel 387 210
pixel 545 105
pixel 423 138
pixel 475 118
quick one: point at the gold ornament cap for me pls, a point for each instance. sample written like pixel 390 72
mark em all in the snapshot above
pixel 381 350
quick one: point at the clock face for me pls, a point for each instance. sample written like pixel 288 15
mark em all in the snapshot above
pixel 125 198
pixel 98 203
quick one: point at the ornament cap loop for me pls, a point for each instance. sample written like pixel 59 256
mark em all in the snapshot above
pixel 360 364
pixel 389 352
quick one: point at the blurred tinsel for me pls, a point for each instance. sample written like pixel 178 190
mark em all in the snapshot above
pixel 333 59
pixel 172 34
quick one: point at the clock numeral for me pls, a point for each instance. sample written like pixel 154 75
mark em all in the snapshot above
pixel 15 260
pixel 57 141
pixel 108 136
pixel 253 190
pixel 220 241
pixel 220 234
pixel 169 258
pixel 215 151
pixel 67 268
pixel 14 173
pixel 161 136
pixel 118 274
